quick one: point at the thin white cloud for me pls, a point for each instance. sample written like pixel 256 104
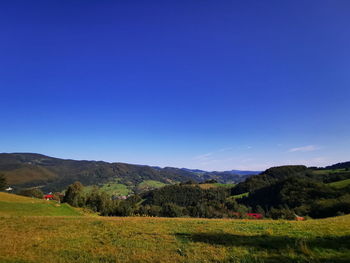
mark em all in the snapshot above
pixel 307 148
pixel 205 156
pixel 209 155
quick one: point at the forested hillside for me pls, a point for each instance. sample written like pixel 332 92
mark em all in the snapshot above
pixel 24 170
pixel 279 192
pixel 297 189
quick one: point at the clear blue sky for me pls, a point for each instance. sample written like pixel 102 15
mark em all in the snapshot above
pixel 214 85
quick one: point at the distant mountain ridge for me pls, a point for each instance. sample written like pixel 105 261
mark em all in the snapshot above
pixel 344 165
pixel 235 172
pixel 240 172
pixel 55 174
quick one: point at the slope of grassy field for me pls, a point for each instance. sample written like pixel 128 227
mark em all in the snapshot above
pixel 11 204
pixel 138 239
pixel 340 184
pixel 330 171
pixel 208 186
pixel 113 187
pixel 240 195
pixel 116 188
pixel 148 185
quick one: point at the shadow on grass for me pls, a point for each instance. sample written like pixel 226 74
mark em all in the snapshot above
pixel 303 247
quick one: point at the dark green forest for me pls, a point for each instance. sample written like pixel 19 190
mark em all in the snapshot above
pixel 279 192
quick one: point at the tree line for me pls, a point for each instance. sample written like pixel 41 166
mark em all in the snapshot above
pixel 169 201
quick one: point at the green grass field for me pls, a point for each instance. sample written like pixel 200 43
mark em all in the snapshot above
pixel 112 188
pixel 148 185
pixel 240 195
pixel 116 189
pixel 15 205
pixel 334 171
pixel 340 184
pixel 29 238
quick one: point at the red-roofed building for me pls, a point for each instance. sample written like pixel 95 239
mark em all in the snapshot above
pixel 250 215
pixel 255 215
pixel 48 197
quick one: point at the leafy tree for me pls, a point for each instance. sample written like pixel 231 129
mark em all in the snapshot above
pixel 123 208
pixel 3 182
pixel 331 207
pixel 74 195
pixel 242 211
pixel 58 197
pixel 171 210
pixel 150 210
pixel 260 210
pixel 231 204
pixel 282 213
pixel 93 200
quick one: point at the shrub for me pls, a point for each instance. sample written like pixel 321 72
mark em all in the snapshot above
pixel 3 182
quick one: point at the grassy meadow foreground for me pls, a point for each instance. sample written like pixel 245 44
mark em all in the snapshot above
pixel 63 234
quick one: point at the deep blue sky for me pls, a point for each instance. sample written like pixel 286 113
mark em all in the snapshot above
pixel 214 85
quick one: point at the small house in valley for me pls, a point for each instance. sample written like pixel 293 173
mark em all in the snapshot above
pixel 48 197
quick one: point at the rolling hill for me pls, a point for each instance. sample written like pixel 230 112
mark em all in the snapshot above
pixel 24 170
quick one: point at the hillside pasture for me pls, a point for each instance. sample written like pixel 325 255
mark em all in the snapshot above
pixel 148 185
pixel 240 195
pixel 330 171
pixel 14 205
pixel 137 239
pixel 115 188
pixel 340 184
pixel 86 239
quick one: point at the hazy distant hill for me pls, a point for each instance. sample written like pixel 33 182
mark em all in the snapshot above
pixel 54 174
pixel 345 165
pixel 233 176
pixel 234 172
